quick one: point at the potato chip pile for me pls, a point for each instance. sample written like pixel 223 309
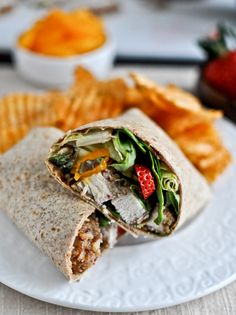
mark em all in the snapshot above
pixel 64 34
pixel 21 112
pixel 86 100
pixel 184 118
pixel 89 99
pixel 179 113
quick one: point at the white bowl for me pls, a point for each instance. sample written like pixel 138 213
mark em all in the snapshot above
pixel 56 72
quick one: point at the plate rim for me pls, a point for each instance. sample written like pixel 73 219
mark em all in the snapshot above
pixel 87 307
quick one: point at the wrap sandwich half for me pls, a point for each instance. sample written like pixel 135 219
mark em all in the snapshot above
pixel 69 231
pixel 131 171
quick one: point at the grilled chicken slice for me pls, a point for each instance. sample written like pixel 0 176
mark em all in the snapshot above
pixel 130 209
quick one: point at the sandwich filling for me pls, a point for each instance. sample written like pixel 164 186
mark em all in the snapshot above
pixel 122 175
pixel 96 234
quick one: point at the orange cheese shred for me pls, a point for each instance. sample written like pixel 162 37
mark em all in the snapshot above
pixel 64 34
pixel 101 153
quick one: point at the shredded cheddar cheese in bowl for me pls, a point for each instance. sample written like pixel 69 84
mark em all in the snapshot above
pixel 64 34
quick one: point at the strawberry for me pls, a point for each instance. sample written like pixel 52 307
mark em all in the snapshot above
pixel 145 179
pixel 220 70
pixel 120 231
pixel 221 74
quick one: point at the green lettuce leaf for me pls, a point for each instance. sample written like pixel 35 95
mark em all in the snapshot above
pixel 174 200
pixel 103 221
pixel 114 152
pixel 169 181
pixel 64 159
pixel 159 192
pixel 128 152
pixel 90 138
pixel 112 209
pixel 141 145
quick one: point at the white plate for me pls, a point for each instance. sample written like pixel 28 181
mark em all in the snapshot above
pixel 195 261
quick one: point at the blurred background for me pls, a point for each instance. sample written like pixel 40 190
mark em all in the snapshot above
pixel 150 31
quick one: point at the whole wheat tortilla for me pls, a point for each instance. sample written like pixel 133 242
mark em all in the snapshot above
pixel 194 190
pixel 45 212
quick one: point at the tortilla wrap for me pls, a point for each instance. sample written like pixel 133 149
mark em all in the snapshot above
pixel 56 221
pixel 191 189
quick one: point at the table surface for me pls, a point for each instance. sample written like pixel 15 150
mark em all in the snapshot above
pixel 219 303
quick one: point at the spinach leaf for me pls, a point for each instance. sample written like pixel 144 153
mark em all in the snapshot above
pixel 143 202
pixel 103 221
pixel 114 213
pixel 141 145
pixel 174 200
pixel 159 192
pixel 112 209
pixel 64 159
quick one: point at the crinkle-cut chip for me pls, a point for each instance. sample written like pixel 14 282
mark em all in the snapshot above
pixel 90 106
pixel 82 74
pixel 25 108
pixel 173 99
pixel 168 97
pixel 210 160
pixel 180 98
pixel 146 100
pixel 89 99
pixel 214 164
pixel 205 150
pixel 203 133
pixel 173 122
pixel 80 109
pixel 188 102
pixel 20 112
pixel 134 97
pixel 178 123
pixel 59 105
pixel 11 136
pixel 185 119
pixel 142 81
pixel 197 149
pixel 83 81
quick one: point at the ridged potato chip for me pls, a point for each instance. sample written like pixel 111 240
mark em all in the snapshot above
pixel 21 112
pixel 88 100
pixel 171 98
pixel 185 119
